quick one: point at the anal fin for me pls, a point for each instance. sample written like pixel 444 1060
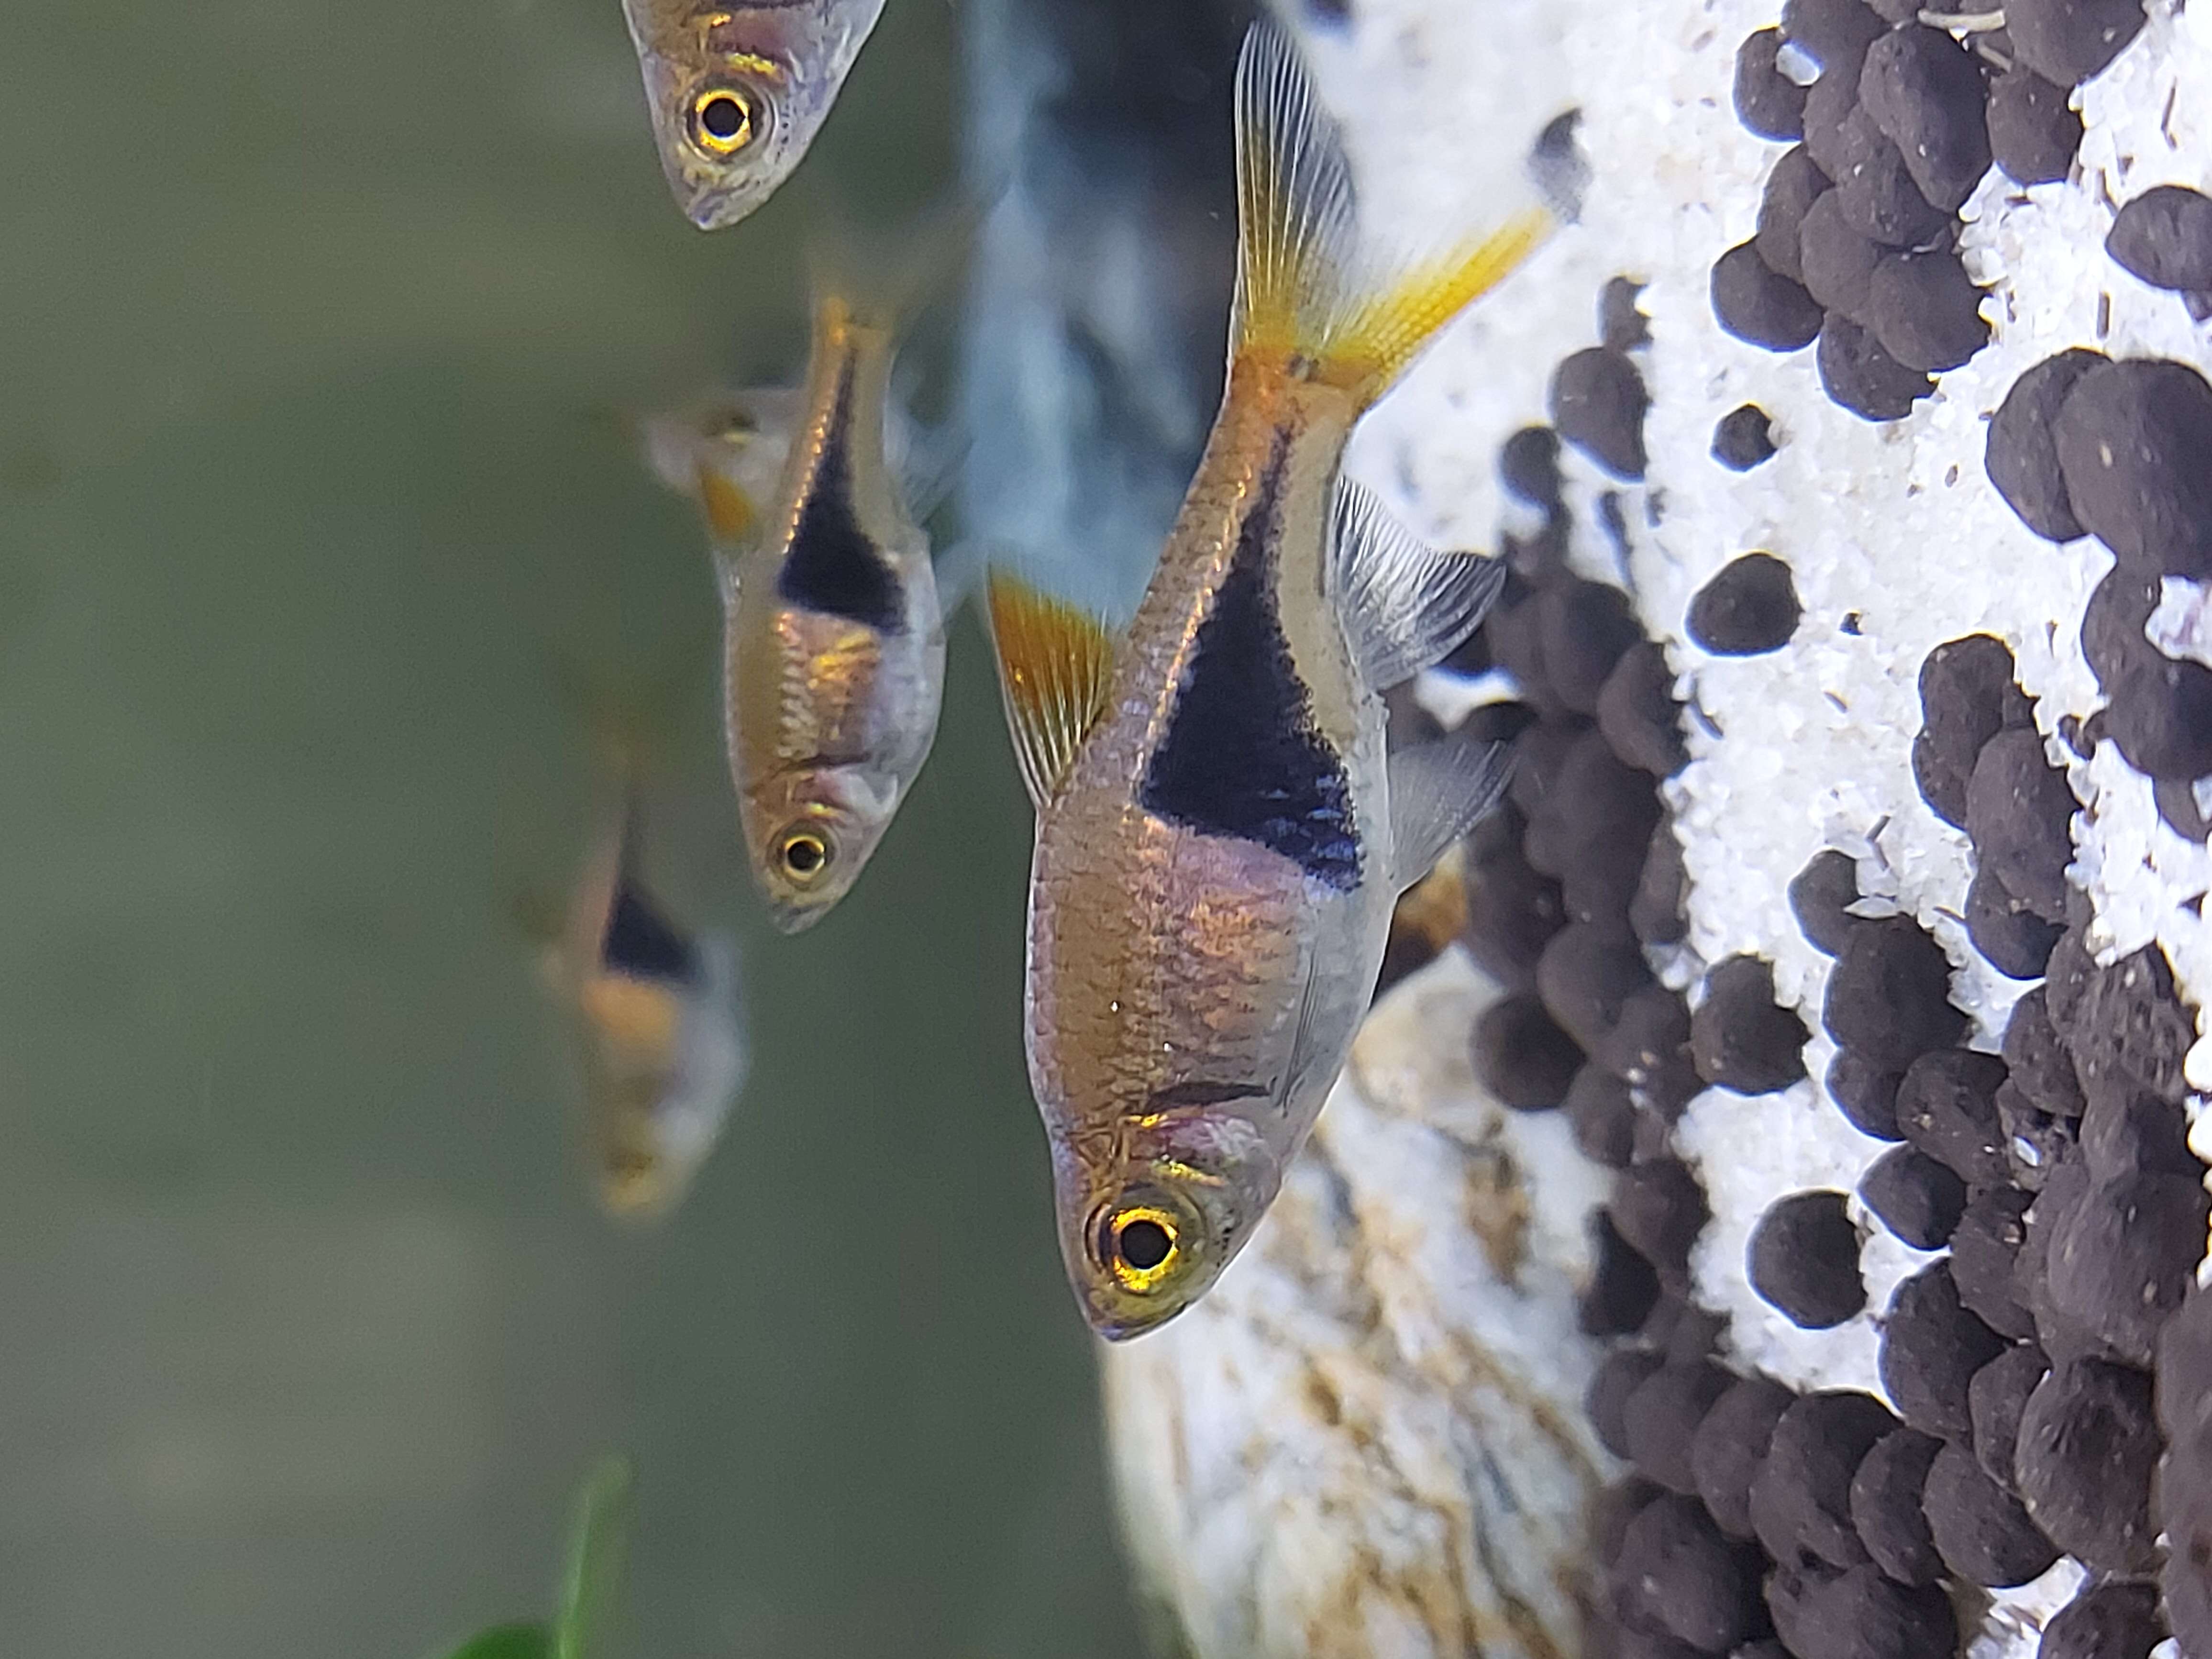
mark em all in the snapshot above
pixel 1405 605
pixel 1438 790
pixel 1056 665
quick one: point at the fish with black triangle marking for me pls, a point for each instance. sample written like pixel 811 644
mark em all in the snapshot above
pixel 736 91
pixel 834 615
pixel 1221 834
pixel 658 1021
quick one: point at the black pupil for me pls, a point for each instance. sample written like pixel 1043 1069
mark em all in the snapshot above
pixel 804 856
pixel 724 117
pixel 1145 1244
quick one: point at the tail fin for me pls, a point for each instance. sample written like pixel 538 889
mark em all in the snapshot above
pixel 1302 288
pixel 881 279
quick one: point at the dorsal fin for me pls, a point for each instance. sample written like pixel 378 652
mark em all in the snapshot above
pixel 1056 664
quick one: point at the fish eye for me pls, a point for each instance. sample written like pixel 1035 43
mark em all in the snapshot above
pixel 803 854
pixel 721 121
pixel 1141 1245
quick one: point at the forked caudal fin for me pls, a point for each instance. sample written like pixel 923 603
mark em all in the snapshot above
pixel 1301 289
pixel 1055 666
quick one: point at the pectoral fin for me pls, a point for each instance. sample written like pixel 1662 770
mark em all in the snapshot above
pixel 1438 792
pixel 1056 664
pixel 1405 605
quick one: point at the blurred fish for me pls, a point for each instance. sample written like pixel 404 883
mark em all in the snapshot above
pixel 660 1023
pixel 725 453
pixel 1221 836
pixel 738 91
pixel 834 626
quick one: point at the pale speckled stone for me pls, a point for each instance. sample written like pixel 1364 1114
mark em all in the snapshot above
pixel 1369 1439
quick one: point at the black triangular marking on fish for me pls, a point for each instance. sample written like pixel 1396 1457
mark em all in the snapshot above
pixel 832 566
pixel 1200 1092
pixel 641 943
pixel 1240 756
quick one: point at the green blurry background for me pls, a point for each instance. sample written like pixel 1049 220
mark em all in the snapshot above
pixel 315 324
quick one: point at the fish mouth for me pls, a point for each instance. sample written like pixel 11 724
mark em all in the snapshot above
pixel 788 918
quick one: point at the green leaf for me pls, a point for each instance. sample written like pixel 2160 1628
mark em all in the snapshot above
pixel 523 1641
pixel 598 1541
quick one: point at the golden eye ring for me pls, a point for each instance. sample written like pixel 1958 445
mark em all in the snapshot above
pixel 721 121
pixel 1143 1246
pixel 804 855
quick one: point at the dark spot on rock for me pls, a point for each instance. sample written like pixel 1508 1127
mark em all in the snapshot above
pixel 2089 1445
pixel 2007 931
pixel 1858 373
pixel 1925 310
pixel 1865 1615
pixel 1586 972
pixel 1650 1039
pixel 1981 1531
pixel 2033 133
pixel 2122 1256
pixel 1995 1398
pixel 1597 404
pixel 2128 1024
pixel 2165 237
pixel 1803 1259
pixel 1602 1117
pixel 1794 185
pixel 2176 803
pixel 1677 1572
pixel 1655 911
pixel 2018 814
pixel 1524 1059
pixel 2020 452
pixel 1529 466
pixel 1966 697
pixel 1875 190
pixel 2134 441
pixel 1662 1419
pixel 1512 911
pixel 1946 1106
pixel 2105 1621
pixel 2129 1130
pixel 1819 895
pixel 1865 1094
pixel 1749 606
pixel 1738 1038
pixel 1984 1248
pixel 1925 91
pixel 1768 102
pixel 1834 33
pixel 2161 717
pixel 1660 1209
pixel 1885 1506
pixel 1584 626
pixel 1931 1346
pixel 1759 305
pixel 1889 994
pixel 1637 714
pixel 1592 828
pixel 1730 1446
pixel 2067 41
pixel 1618 1376
pixel 1801 1499
pixel 1838 262
pixel 1742 438
pixel 1917 1199
pixel 1621 323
